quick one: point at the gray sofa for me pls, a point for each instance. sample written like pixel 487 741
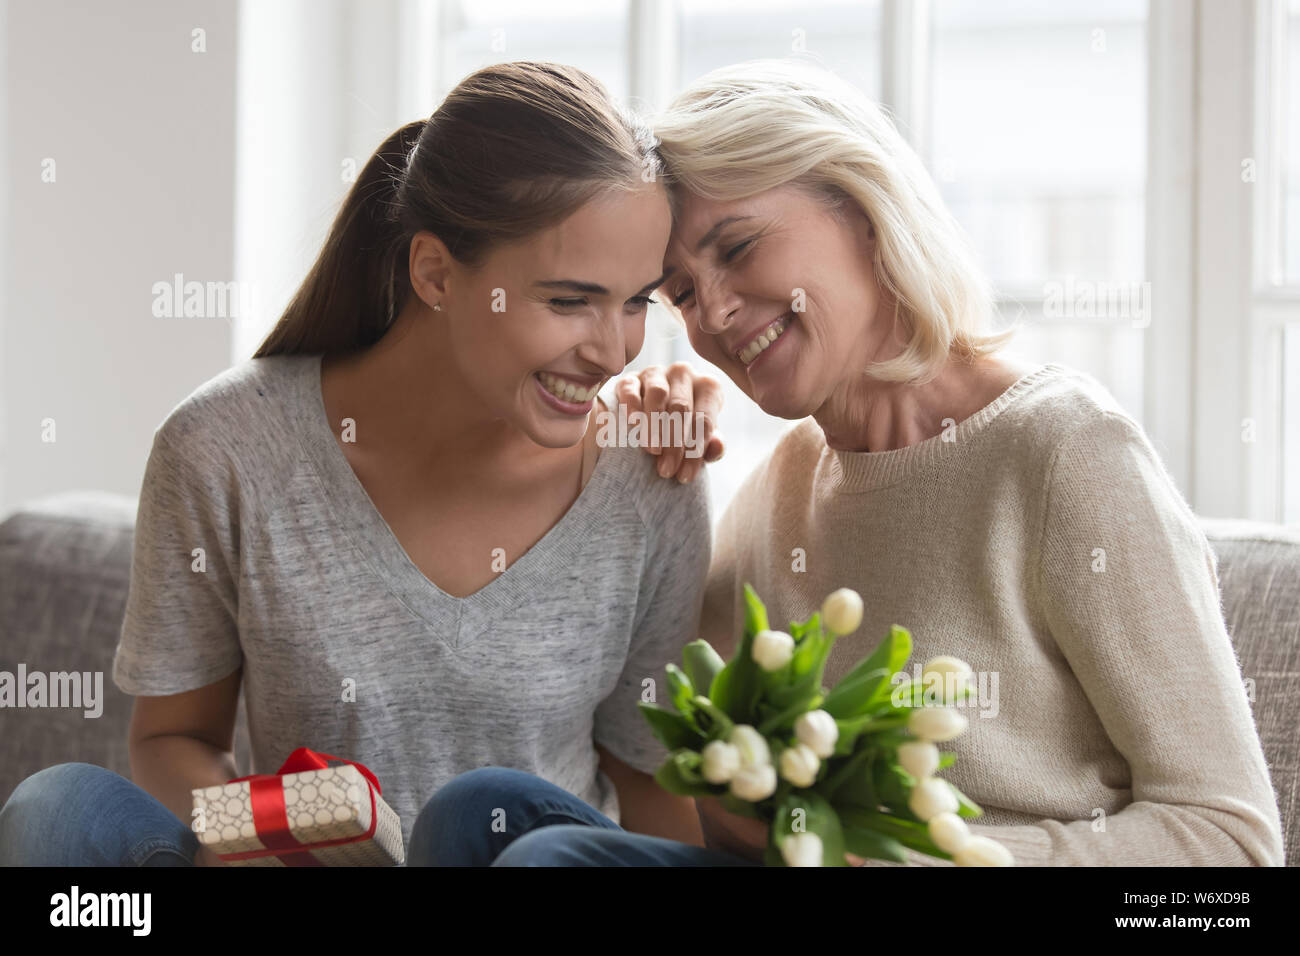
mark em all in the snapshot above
pixel 65 561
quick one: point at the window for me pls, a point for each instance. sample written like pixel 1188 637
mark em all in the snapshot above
pixel 843 35
pixel 1287 78
pixel 588 34
pixel 1037 136
pixel 1095 152
pixel 1275 302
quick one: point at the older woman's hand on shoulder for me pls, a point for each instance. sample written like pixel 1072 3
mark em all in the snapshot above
pixel 695 398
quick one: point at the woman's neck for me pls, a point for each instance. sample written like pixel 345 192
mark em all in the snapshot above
pixel 868 415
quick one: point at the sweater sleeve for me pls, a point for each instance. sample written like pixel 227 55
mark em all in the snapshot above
pixel 1128 587
pixel 722 592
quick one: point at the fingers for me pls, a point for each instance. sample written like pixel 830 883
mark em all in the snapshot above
pixel 681 408
pixel 681 400
pixel 708 397
pixel 628 392
pixel 654 400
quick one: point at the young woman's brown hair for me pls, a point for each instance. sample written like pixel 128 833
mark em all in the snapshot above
pixel 513 149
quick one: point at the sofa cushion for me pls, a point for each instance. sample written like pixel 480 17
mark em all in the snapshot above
pixel 1259 581
pixel 65 562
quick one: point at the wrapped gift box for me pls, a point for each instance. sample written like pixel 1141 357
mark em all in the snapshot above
pixel 331 816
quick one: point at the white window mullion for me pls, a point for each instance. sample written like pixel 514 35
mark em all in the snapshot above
pixel 905 68
pixel 653 54
pixel 1271 308
pixel 419 57
pixel 1170 237
pixel 1222 403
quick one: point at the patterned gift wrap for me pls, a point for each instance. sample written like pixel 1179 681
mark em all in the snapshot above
pixel 333 803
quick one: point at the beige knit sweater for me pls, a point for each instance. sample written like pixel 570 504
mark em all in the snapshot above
pixel 1041 541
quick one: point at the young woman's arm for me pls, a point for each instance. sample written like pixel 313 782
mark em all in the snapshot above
pixel 183 741
pixel 179 633
pixel 645 807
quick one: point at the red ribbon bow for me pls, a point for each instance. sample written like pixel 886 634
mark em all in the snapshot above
pixel 266 792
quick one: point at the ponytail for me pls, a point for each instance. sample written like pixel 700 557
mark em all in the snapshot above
pixel 351 293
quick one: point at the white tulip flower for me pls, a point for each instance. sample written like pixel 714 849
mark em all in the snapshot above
pixel 981 851
pixel 842 611
pixel 755 782
pixel 721 761
pixel 951 674
pixel 949 832
pixel 931 797
pixel 772 650
pixel 752 745
pixel 799 765
pixel 936 724
pixel 920 758
pixel 819 731
pixel 802 849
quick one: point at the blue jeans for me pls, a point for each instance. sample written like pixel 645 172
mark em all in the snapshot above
pixel 77 814
pixel 496 816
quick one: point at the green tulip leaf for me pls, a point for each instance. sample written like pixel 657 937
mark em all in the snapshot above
pixel 711 720
pixel 701 664
pixel 679 774
pixel 967 808
pixel 737 686
pixel 913 834
pixel 808 811
pixel 850 781
pixel 868 684
pixel 670 728
pixel 873 845
pixel 680 689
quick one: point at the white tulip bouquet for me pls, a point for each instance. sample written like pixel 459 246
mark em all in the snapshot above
pixel 852 769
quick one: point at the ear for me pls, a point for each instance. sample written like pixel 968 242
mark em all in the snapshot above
pixel 431 265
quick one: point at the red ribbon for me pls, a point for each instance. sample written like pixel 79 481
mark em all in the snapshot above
pixel 266 792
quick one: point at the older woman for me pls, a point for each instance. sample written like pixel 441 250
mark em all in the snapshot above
pixel 1011 515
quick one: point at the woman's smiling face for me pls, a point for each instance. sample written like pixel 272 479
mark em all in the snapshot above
pixel 777 290
pixel 543 322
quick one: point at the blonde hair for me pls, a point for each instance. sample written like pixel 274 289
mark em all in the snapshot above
pixel 744 129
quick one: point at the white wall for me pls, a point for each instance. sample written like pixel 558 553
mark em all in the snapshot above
pixel 141 130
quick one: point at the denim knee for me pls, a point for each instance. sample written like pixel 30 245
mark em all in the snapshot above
pixel 443 832
pixel 79 814
pixel 561 845
pixel 44 789
pixel 36 800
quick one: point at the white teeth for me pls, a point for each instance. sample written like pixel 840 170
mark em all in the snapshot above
pixel 761 342
pixel 566 391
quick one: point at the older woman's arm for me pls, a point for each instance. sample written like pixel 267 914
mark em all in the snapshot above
pixel 1146 639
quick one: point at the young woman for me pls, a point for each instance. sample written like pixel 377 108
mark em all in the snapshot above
pixel 393 528
pixel 1009 514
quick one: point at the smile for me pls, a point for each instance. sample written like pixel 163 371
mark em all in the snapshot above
pixel 764 339
pixel 565 390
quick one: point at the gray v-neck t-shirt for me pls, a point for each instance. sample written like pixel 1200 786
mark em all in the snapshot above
pixel 347 648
